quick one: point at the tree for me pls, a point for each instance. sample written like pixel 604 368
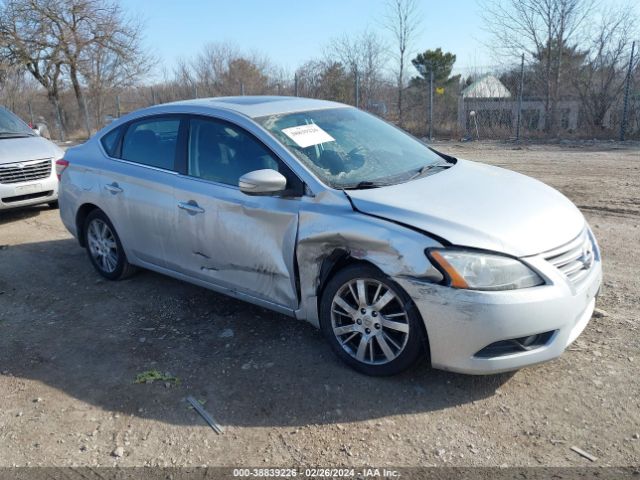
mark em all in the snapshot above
pixel 543 29
pixel 600 79
pixel 402 21
pixel 326 79
pixel 24 41
pixel 363 56
pixel 223 69
pixel 86 31
pixel 440 62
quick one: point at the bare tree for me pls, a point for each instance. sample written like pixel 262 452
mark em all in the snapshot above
pixel 25 41
pixel 402 20
pixel 600 80
pixel 542 28
pixel 363 55
pixel 86 32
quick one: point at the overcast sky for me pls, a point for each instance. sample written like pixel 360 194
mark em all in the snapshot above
pixel 290 32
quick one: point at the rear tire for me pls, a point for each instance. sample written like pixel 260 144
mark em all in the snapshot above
pixel 370 322
pixel 104 247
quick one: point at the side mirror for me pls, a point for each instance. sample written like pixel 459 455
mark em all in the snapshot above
pixel 262 182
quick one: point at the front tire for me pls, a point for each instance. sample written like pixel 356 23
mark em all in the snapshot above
pixel 53 205
pixel 370 322
pixel 104 247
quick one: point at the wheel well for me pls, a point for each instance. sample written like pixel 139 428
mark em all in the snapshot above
pixel 81 216
pixel 332 264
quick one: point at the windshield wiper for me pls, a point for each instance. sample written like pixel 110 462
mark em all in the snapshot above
pixel 428 168
pixel 364 185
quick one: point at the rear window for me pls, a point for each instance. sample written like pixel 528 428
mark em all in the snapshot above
pixel 110 142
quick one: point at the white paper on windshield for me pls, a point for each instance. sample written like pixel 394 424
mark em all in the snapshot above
pixel 307 135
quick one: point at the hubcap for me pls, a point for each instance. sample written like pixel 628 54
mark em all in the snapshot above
pixel 102 245
pixel 370 321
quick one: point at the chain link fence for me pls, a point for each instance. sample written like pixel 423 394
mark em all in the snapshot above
pixel 487 104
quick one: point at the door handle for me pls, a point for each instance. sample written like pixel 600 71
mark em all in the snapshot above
pixel 113 188
pixel 190 207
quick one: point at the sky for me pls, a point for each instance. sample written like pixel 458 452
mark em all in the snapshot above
pixel 290 32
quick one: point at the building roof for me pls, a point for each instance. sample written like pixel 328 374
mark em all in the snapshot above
pixel 486 86
pixel 260 106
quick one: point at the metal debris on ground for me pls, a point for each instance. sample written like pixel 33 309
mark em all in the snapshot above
pixel 204 414
pixel 584 454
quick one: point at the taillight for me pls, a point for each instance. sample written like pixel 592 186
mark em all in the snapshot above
pixel 61 165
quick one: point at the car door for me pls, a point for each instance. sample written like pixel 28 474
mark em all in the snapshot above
pixel 137 187
pixel 245 243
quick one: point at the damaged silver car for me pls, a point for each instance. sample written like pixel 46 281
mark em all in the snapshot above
pixel 328 214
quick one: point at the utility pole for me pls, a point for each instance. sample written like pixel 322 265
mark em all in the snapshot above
pixel 117 106
pixel 295 84
pixel 625 108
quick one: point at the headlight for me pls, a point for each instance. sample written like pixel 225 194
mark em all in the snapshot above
pixel 483 271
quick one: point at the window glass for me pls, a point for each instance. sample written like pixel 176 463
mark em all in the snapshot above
pixel 223 153
pixel 152 142
pixel 110 142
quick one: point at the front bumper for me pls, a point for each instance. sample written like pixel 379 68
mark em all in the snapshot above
pixel 33 192
pixel 460 323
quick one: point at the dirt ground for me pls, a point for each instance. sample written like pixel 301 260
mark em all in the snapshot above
pixel 72 344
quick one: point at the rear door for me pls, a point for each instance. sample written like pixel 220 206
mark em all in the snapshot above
pixel 137 187
pixel 245 243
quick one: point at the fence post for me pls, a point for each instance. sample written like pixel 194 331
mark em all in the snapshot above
pixel 430 104
pixel 117 106
pixel 625 106
pixel 357 89
pixel 295 84
pixel 520 89
pixel 30 112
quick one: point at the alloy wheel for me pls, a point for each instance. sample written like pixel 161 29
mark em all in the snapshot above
pixel 102 245
pixel 370 321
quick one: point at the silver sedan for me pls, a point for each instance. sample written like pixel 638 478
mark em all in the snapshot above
pixel 328 214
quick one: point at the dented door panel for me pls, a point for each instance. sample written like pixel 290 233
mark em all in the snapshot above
pixel 240 242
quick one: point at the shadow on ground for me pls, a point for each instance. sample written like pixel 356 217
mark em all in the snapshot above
pixel 62 325
pixel 9 216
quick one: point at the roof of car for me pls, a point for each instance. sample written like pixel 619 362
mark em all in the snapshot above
pixel 260 106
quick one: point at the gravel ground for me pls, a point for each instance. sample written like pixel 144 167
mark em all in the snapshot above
pixel 71 346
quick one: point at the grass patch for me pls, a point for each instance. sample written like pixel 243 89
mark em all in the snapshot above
pixel 151 376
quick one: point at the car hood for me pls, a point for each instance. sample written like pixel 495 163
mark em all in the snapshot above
pixel 26 149
pixel 480 206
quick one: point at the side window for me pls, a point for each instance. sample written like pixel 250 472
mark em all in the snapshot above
pixel 223 153
pixel 152 142
pixel 110 142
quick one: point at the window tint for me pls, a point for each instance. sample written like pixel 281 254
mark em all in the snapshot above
pixel 110 142
pixel 152 142
pixel 223 153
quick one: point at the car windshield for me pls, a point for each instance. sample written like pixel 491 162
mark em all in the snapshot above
pixel 11 125
pixel 348 148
